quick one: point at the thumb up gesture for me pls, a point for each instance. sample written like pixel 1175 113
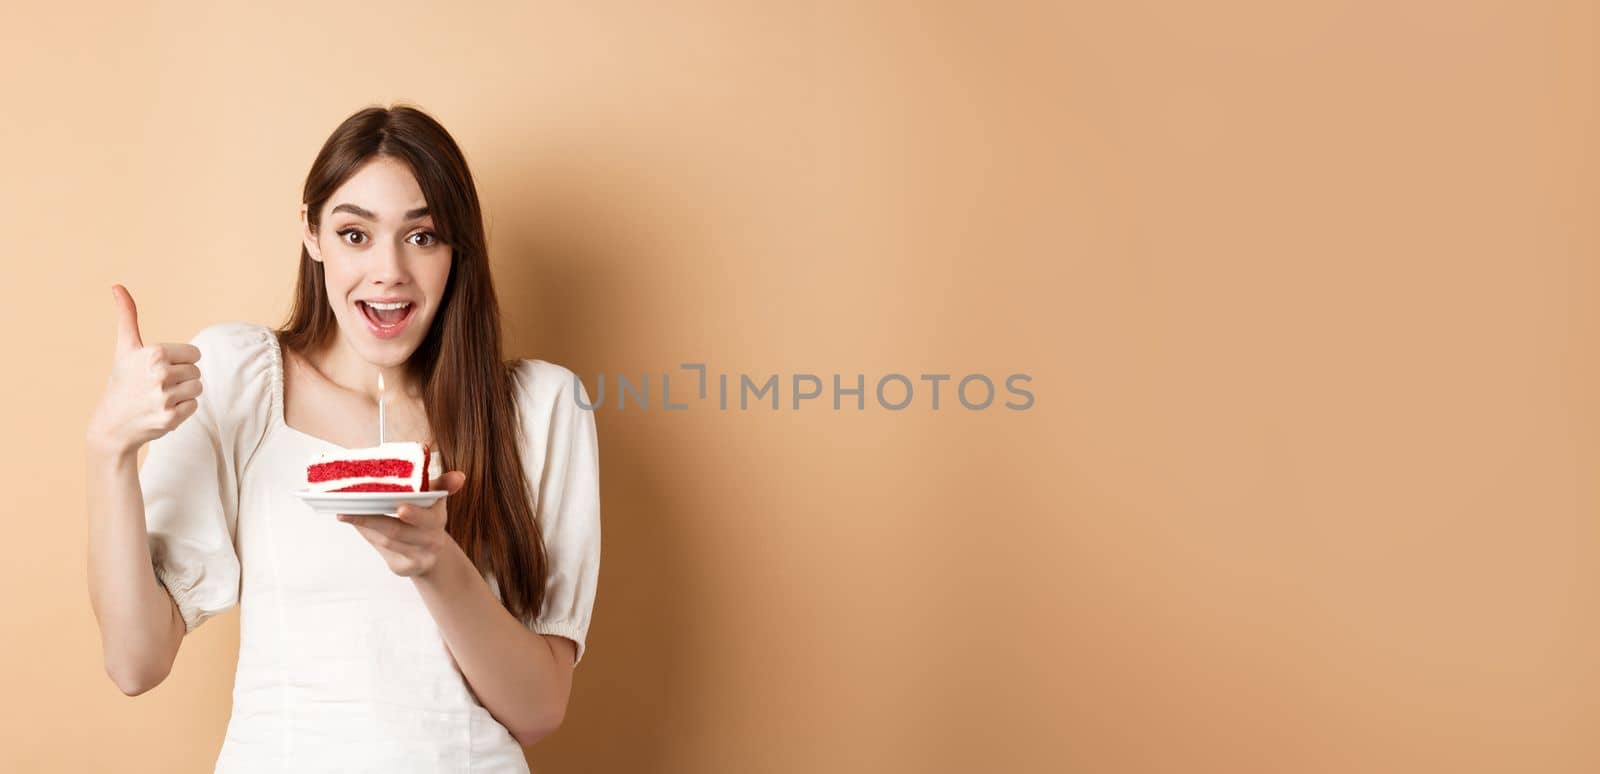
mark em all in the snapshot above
pixel 152 389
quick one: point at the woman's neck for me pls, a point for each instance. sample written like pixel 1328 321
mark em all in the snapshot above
pixel 339 363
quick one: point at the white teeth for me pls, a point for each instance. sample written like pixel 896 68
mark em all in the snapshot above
pixel 388 307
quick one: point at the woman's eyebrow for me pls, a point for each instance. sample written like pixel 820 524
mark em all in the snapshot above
pixel 365 213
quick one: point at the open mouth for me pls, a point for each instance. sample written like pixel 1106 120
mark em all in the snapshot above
pixel 386 320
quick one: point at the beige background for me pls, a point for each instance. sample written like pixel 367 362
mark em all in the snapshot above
pixel 1308 296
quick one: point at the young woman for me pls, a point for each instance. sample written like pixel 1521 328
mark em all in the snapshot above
pixel 442 640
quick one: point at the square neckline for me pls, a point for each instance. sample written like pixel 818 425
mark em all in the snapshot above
pixel 278 415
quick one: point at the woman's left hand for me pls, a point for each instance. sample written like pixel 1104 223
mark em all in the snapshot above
pixel 412 540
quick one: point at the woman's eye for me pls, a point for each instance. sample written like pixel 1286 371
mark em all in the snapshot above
pixel 429 236
pixel 349 231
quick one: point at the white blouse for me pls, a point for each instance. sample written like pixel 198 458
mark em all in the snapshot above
pixel 341 666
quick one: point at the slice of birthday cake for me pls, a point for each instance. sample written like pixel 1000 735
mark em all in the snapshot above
pixel 391 467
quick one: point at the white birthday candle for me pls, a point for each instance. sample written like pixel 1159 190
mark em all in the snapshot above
pixel 380 408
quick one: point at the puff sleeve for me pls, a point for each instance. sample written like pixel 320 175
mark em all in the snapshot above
pixel 190 477
pixel 561 457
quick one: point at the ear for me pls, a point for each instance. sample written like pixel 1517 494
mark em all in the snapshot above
pixel 308 235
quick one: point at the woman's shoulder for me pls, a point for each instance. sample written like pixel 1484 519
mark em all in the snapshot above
pixel 554 411
pixel 543 382
pixel 548 395
pixel 236 353
pixel 237 339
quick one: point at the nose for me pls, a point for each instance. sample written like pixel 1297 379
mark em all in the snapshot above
pixel 388 267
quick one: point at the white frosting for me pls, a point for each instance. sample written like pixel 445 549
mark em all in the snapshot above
pixel 400 450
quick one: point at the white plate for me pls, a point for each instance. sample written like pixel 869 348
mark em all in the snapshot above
pixel 372 503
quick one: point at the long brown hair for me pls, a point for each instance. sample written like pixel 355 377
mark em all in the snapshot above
pixel 468 386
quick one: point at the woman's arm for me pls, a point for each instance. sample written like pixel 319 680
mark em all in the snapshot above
pixel 152 390
pixel 520 676
pixel 140 628
pixel 523 678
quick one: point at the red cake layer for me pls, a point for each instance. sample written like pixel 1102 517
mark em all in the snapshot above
pixel 328 471
pixel 385 468
pixel 375 487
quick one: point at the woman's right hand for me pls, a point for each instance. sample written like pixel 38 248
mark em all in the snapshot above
pixel 152 389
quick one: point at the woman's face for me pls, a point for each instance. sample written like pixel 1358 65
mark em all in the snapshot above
pixel 384 266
